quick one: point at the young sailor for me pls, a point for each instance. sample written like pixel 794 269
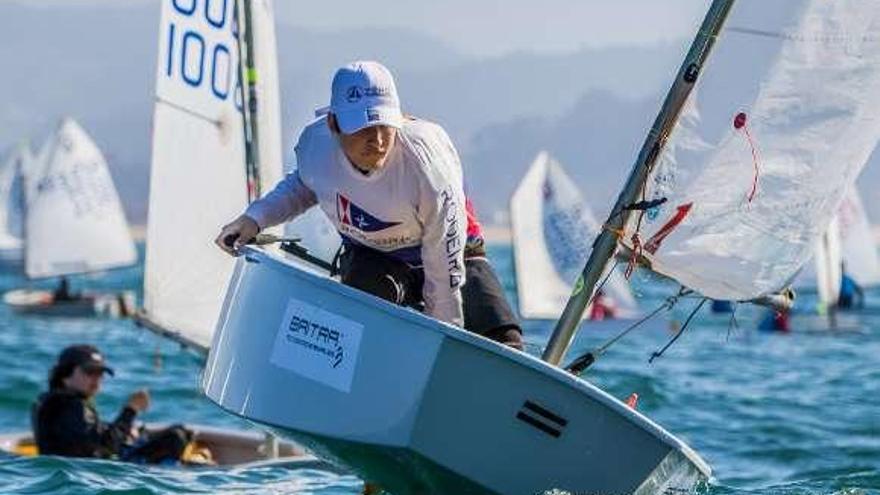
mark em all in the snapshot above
pixel 392 186
pixel 851 295
pixel 66 422
pixel 602 307
pixel 62 293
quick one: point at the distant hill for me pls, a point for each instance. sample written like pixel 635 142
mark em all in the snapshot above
pixel 590 108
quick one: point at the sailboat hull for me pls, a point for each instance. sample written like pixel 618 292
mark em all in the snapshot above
pixel 42 303
pixel 419 406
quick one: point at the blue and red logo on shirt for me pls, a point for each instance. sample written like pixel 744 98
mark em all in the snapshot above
pixel 353 215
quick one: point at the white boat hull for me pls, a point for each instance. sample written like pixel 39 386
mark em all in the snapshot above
pixel 418 406
pixel 41 302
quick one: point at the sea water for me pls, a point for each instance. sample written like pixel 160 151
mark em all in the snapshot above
pixel 795 413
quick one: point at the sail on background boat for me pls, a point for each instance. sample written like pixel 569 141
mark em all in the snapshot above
pixel 198 177
pixel 553 230
pixel 846 246
pixel 779 124
pixel 74 219
pixel 859 247
pixel 826 261
pixel 12 204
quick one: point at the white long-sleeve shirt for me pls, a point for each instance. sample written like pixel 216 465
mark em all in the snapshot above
pixel 413 208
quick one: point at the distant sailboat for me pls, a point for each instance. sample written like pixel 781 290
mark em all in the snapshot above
pixel 553 230
pixel 848 243
pixel 859 246
pixel 12 205
pixel 74 224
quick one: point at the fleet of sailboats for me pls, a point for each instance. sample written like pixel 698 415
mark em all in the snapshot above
pixel 737 181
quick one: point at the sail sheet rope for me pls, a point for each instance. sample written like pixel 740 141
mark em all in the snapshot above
pixel 656 354
pixel 584 361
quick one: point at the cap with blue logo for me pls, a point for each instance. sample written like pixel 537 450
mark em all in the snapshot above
pixel 363 94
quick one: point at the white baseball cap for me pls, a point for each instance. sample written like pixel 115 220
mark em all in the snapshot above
pixel 363 94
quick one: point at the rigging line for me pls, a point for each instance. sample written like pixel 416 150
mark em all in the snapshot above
pixel 801 38
pixel 215 122
pixel 584 361
pixel 684 327
pixel 732 325
pixel 602 284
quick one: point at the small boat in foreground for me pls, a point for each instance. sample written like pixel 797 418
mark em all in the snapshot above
pixel 226 447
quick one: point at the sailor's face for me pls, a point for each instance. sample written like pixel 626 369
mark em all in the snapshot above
pixel 369 147
pixel 85 380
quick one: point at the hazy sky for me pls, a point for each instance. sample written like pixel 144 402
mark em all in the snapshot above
pixel 494 26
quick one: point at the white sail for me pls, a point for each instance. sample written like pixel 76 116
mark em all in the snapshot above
pixel 847 243
pixel 553 230
pixel 198 178
pixel 75 222
pixel 782 118
pixel 12 203
pixel 826 263
pixel 859 248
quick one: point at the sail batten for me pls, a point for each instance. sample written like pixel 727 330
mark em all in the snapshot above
pixel 780 123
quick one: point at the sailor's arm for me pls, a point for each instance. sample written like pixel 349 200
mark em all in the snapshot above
pixel 286 201
pixel 290 198
pixel 444 233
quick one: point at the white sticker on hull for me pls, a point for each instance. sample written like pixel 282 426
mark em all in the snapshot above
pixel 317 344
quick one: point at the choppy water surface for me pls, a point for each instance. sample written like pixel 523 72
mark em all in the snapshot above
pixel 794 413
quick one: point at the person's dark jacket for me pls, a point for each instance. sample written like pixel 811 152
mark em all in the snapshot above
pixel 66 423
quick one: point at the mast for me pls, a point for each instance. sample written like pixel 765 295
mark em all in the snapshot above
pixel 248 74
pixel 606 242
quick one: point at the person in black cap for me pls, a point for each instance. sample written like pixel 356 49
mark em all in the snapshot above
pixel 66 422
